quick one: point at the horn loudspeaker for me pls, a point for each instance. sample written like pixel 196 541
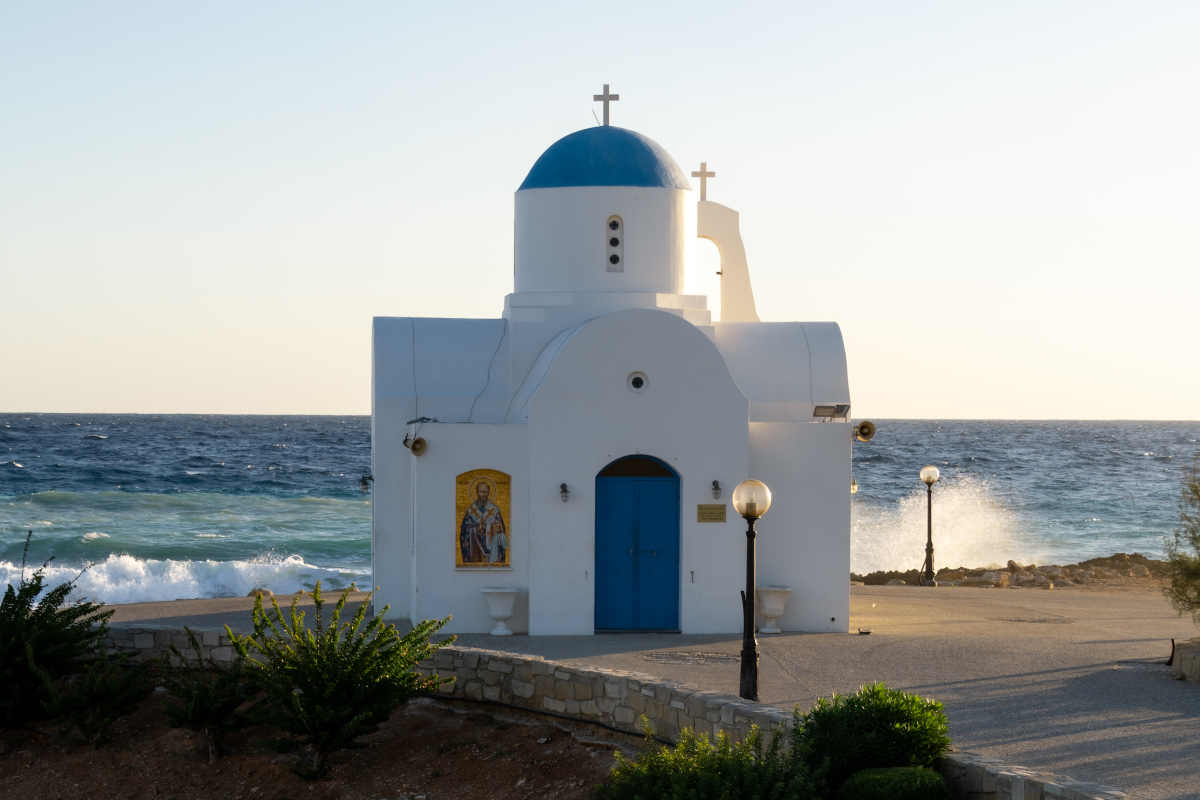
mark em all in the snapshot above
pixel 865 430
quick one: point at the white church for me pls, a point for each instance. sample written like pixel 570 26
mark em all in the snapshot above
pixel 579 452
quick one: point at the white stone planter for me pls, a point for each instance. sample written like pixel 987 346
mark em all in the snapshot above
pixel 500 606
pixel 771 602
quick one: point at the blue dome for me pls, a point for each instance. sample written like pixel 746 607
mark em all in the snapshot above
pixel 605 156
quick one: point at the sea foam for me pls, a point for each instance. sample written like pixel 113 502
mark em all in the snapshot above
pixel 126 579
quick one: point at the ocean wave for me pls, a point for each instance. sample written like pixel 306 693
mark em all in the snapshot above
pixel 56 499
pixel 971 527
pixel 127 579
pixel 91 537
pixel 94 436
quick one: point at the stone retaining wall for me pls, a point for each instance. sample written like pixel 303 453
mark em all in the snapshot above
pixel 154 642
pixel 1186 663
pixel 974 777
pixel 619 699
pixel 613 697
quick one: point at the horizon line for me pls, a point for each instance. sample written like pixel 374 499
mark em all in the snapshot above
pixel 450 422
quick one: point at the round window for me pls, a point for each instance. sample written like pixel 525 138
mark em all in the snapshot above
pixel 637 382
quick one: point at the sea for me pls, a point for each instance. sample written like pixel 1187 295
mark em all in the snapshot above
pixel 160 507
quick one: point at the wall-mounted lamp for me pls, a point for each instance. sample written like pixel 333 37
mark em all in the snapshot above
pixel 832 410
pixel 716 490
pixel 564 492
pixel 364 483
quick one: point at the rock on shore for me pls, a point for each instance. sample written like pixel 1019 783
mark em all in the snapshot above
pixel 1108 570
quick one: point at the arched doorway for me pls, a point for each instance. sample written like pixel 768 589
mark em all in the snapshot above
pixel 637 546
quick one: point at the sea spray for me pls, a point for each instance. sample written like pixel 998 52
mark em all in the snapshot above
pixel 971 527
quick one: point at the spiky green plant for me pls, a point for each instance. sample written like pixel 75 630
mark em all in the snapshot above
pixel 88 703
pixel 204 696
pixel 328 686
pixel 57 631
pixel 1181 583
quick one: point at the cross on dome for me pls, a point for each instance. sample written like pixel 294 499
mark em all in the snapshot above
pixel 606 98
pixel 704 175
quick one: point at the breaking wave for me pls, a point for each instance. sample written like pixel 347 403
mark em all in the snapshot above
pixel 971 527
pixel 127 579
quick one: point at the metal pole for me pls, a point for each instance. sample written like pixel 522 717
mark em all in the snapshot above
pixel 929 541
pixel 749 683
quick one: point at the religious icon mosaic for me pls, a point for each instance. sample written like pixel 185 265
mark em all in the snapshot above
pixel 482 501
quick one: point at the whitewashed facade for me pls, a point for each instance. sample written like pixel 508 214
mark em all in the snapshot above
pixel 594 360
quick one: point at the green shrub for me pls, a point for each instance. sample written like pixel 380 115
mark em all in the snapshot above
pixel 1182 579
pixel 87 704
pixel 895 783
pixel 875 727
pixel 329 686
pixel 695 769
pixel 204 696
pixel 58 632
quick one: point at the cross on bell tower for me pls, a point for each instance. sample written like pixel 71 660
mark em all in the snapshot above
pixel 606 98
pixel 704 175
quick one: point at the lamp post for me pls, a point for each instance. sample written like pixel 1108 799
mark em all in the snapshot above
pixel 751 499
pixel 930 476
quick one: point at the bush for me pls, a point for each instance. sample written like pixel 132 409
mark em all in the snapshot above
pixel 328 687
pixel 895 783
pixel 204 696
pixel 89 703
pixel 1182 579
pixel 875 727
pixel 57 632
pixel 694 768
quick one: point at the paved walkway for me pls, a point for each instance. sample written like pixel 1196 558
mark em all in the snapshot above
pixel 1067 681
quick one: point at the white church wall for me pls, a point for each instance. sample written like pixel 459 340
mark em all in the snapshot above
pixel 785 368
pixel 583 416
pixel 391 506
pixel 452 360
pixel 457 365
pixel 536 318
pixel 804 540
pixel 562 239
pixel 720 224
pixel 392 403
pixel 439 587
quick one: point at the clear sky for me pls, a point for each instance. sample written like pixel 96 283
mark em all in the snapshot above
pixel 202 205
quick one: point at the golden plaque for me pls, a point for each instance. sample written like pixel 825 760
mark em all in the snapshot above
pixel 713 512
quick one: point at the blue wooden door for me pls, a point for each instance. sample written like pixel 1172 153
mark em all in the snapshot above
pixel 637 553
